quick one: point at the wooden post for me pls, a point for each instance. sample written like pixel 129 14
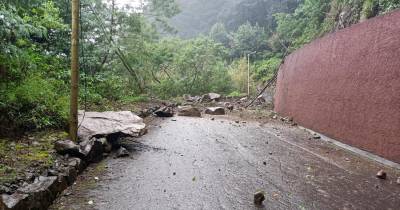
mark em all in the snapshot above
pixel 248 75
pixel 73 118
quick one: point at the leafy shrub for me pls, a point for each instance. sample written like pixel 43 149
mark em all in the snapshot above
pixel 133 99
pixel 34 104
pixel 267 68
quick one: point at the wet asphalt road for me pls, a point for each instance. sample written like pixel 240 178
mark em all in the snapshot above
pixel 199 163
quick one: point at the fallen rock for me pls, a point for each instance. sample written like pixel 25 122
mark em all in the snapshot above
pixel 14 201
pixel 76 163
pixel 4 189
pixel 147 112
pixel 64 147
pixel 210 97
pixel 91 150
pixel 244 99
pixel 108 123
pixel 381 174
pixel 189 111
pixel 38 195
pixel 215 111
pixel 190 98
pixel 316 136
pixel 259 197
pixel 164 112
pixel 230 107
pixel 122 152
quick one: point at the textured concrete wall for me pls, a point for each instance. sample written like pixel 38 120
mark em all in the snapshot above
pixel 346 85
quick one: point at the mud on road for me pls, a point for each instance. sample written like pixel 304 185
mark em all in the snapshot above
pixel 199 163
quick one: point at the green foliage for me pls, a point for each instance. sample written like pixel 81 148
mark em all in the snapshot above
pixel 196 67
pixel 238 73
pixel 304 25
pixel 34 104
pixel 219 34
pixel 265 69
pixel 248 38
pixel 236 94
pixel 369 9
pixel 388 5
pixel 134 99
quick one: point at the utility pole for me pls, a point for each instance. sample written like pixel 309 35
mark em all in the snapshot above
pixel 73 115
pixel 248 72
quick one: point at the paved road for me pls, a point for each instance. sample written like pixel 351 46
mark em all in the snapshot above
pixel 199 163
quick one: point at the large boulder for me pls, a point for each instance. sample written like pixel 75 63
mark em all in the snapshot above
pixel 189 111
pixel 215 111
pixel 165 111
pixel 108 123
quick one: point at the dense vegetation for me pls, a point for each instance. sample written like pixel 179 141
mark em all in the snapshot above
pixel 128 55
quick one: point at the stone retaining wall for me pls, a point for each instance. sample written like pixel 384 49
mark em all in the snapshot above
pixel 346 85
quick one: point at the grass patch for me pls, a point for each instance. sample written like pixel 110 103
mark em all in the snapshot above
pixel 33 152
pixel 134 99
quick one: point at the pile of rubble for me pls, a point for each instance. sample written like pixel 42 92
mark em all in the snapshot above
pixel 99 134
pixel 210 103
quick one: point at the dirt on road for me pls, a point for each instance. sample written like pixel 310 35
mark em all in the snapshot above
pixel 205 163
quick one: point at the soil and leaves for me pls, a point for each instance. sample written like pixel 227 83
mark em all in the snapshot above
pixel 26 158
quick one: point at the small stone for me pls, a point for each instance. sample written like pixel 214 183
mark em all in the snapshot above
pixel 164 112
pixel 90 202
pixel 259 197
pixel 381 174
pixel 213 118
pixel 230 107
pixel 122 152
pixel 96 178
pixel 35 143
pixel 215 111
pixel 67 194
pixel 265 163
pixel 398 181
pixel 174 173
pixel 270 153
pixel 316 136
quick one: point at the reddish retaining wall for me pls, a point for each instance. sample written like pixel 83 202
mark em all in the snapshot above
pixel 346 85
